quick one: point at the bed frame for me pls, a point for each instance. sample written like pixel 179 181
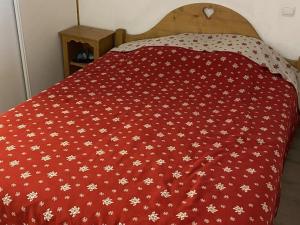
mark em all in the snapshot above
pixel 197 18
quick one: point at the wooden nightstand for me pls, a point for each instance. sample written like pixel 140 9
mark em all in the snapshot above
pixel 84 39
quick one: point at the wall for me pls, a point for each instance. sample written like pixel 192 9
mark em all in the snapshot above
pixel 12 90
pixel 283 33
pixel 41 22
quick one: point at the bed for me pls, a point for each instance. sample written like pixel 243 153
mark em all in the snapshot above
pixel 176 127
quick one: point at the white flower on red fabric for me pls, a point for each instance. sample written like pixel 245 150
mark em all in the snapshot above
pixel 171 148
pixel 189 124
pixel 65 187
pixel 2 138
pixel 134 201
pixel 203 131
pixel 64 143
pixel 148 181
pixel 165 194
pixel 123 181
pixel 35 148
pixel 177 174
pixel 239 210
pixel 224 132
pixel 123 152
pixel 10 148
pixel 52 174
pixel 160 134
pixel 108 168
pixel 22 126
pixel 100 152
pixel 96 119
pixel 211 208
pixel 116 119
pixel 49 122
pixel 114 138
pixel 251 170
pixel 32 195
pixel 136 138
pixel 270 186
pixel 107 201
pixel 256 154
pixel 83 169
pixel 102 130
pixel 71 158
pixel 191 193
pixel 88 143
pixel 147 126
pixel 6 199
pixel 153 217
pixel 149 147
pixel 46 158
pixel 137 163
pixel 234 155
pixel 209 158
pixel 230 80
pixel 85 112
pixel 14 163
pixel 227 169
pixel 180 135
pixel 265 207
pixel 81 130
pixel 25 175
pixel 217 145
pixel 245 188
pixel 220 186
pixel 74 211
pixel 71 122
pixel 210 121
pixel 186 158
pixel 201 173
pixel 263 129
pixel 240 140
pixel 273 168
pixel 92 187
pixel 54 134
pixel 182 215
pixel 160 162
pixel 47 215
pixel 195 144
pixel 127 126
pixel 246 77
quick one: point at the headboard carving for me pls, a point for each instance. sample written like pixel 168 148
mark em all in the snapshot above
pixel 193 19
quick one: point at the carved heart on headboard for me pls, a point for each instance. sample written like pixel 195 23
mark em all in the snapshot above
pixel 208 12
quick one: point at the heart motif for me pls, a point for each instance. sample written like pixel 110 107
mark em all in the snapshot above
pixel 208 12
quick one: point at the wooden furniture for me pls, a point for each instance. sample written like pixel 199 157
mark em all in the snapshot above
pixel 78 38
pixel 197 18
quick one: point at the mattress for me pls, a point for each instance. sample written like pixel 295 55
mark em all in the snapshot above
pixel 152 135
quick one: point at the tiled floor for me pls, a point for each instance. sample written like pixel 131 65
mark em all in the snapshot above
pixel 289 209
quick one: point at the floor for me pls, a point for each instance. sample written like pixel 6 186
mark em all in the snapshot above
pixel 289 209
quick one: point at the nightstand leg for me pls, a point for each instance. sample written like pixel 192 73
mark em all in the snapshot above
pixel 66 57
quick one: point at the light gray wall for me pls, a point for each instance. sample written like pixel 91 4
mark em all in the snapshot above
pixel 12 89
pixel 41 22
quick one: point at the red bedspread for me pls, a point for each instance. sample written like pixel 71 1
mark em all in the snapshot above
pixel 160 135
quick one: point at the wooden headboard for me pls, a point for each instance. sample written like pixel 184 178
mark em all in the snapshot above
pixel 197 18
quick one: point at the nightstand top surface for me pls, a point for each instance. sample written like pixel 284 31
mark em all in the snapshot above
pixel 85 32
